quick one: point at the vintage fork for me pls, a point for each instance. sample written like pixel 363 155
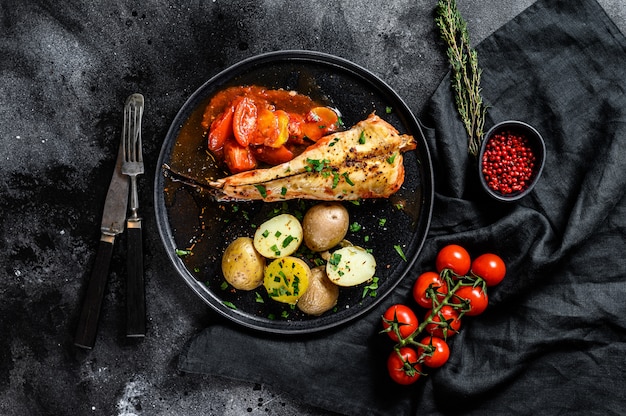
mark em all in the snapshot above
pixel 132 167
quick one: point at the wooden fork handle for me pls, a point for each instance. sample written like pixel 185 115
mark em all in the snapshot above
pixel 135 285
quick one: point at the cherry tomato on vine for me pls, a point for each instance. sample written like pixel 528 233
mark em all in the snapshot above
pixel 439 354
pixel 476 297
pixel 403 317
pixel 404 368
pixel 425 281
pixel 455 258
pixel 490 267
pixel 445 323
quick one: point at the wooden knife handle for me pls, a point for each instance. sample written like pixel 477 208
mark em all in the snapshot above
pixel 135 288
pixel 85 336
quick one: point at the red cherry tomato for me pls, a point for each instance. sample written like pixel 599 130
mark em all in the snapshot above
pixel 445 323
pixel 238 158
pixel 438 354
pixel 490 268
pixel 266 125
pixel 295 128
pixel 403 317
pixel 272 155
pixel 404 368
pixel 318 122
pixel 476 298
pixel 455 258
pixel 421 292
pixel 325 117
pixel 272 128
pixel 311 131
pixel 245 121
pixel 221 129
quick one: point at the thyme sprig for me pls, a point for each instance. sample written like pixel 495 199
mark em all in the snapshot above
pixel 465 71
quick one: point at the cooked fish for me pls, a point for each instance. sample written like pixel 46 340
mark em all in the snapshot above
pixel 363 162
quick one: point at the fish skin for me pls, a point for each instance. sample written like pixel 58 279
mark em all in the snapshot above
pixel 350 167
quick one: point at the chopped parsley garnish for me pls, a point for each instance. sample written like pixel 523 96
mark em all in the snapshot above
pixel 283 191
pixel 316 165
pixel 399 251
pixel 288 240
pixel 391 158
pixel 371 288
pixel 362 137
pixel 262 190
pixel 229 304
pixel 382 222
pixel 348 180
pixel 182 253
pixel 355 226
pixel 335 180
pixel 335 259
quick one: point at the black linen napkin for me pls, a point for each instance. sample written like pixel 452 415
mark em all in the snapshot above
pixel 553 339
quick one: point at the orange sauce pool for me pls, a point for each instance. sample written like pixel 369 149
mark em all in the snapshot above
pixel 190 156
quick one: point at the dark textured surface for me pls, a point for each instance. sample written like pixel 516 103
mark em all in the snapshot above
pixel 66 70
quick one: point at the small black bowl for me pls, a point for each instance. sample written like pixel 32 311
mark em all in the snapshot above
pixel 511 159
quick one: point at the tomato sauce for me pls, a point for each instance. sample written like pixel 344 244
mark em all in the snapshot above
pixel 289 101
pixel 248 126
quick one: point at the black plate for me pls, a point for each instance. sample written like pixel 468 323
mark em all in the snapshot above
pixel 187 216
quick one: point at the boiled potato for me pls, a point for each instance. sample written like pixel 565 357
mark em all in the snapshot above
pixel 278 237
pixel 242 265
pixel 325 225
pixel 351 266
pixel 322 294
pixel 286 279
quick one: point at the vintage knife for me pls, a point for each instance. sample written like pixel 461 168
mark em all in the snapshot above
pixel 113 220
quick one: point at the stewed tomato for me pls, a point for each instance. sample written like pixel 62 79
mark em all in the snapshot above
pixel 272 155
pixel 238 158
pixel 221 129
pixel 318 122
pixel 245 121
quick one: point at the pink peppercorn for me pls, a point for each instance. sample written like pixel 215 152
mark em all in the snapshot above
pixel 508 163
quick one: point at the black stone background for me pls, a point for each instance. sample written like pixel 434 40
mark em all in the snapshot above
pixel 65 71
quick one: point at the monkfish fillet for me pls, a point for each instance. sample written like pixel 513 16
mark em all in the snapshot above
pixel 363 162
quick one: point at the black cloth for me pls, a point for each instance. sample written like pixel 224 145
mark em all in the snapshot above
pixel 553 340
